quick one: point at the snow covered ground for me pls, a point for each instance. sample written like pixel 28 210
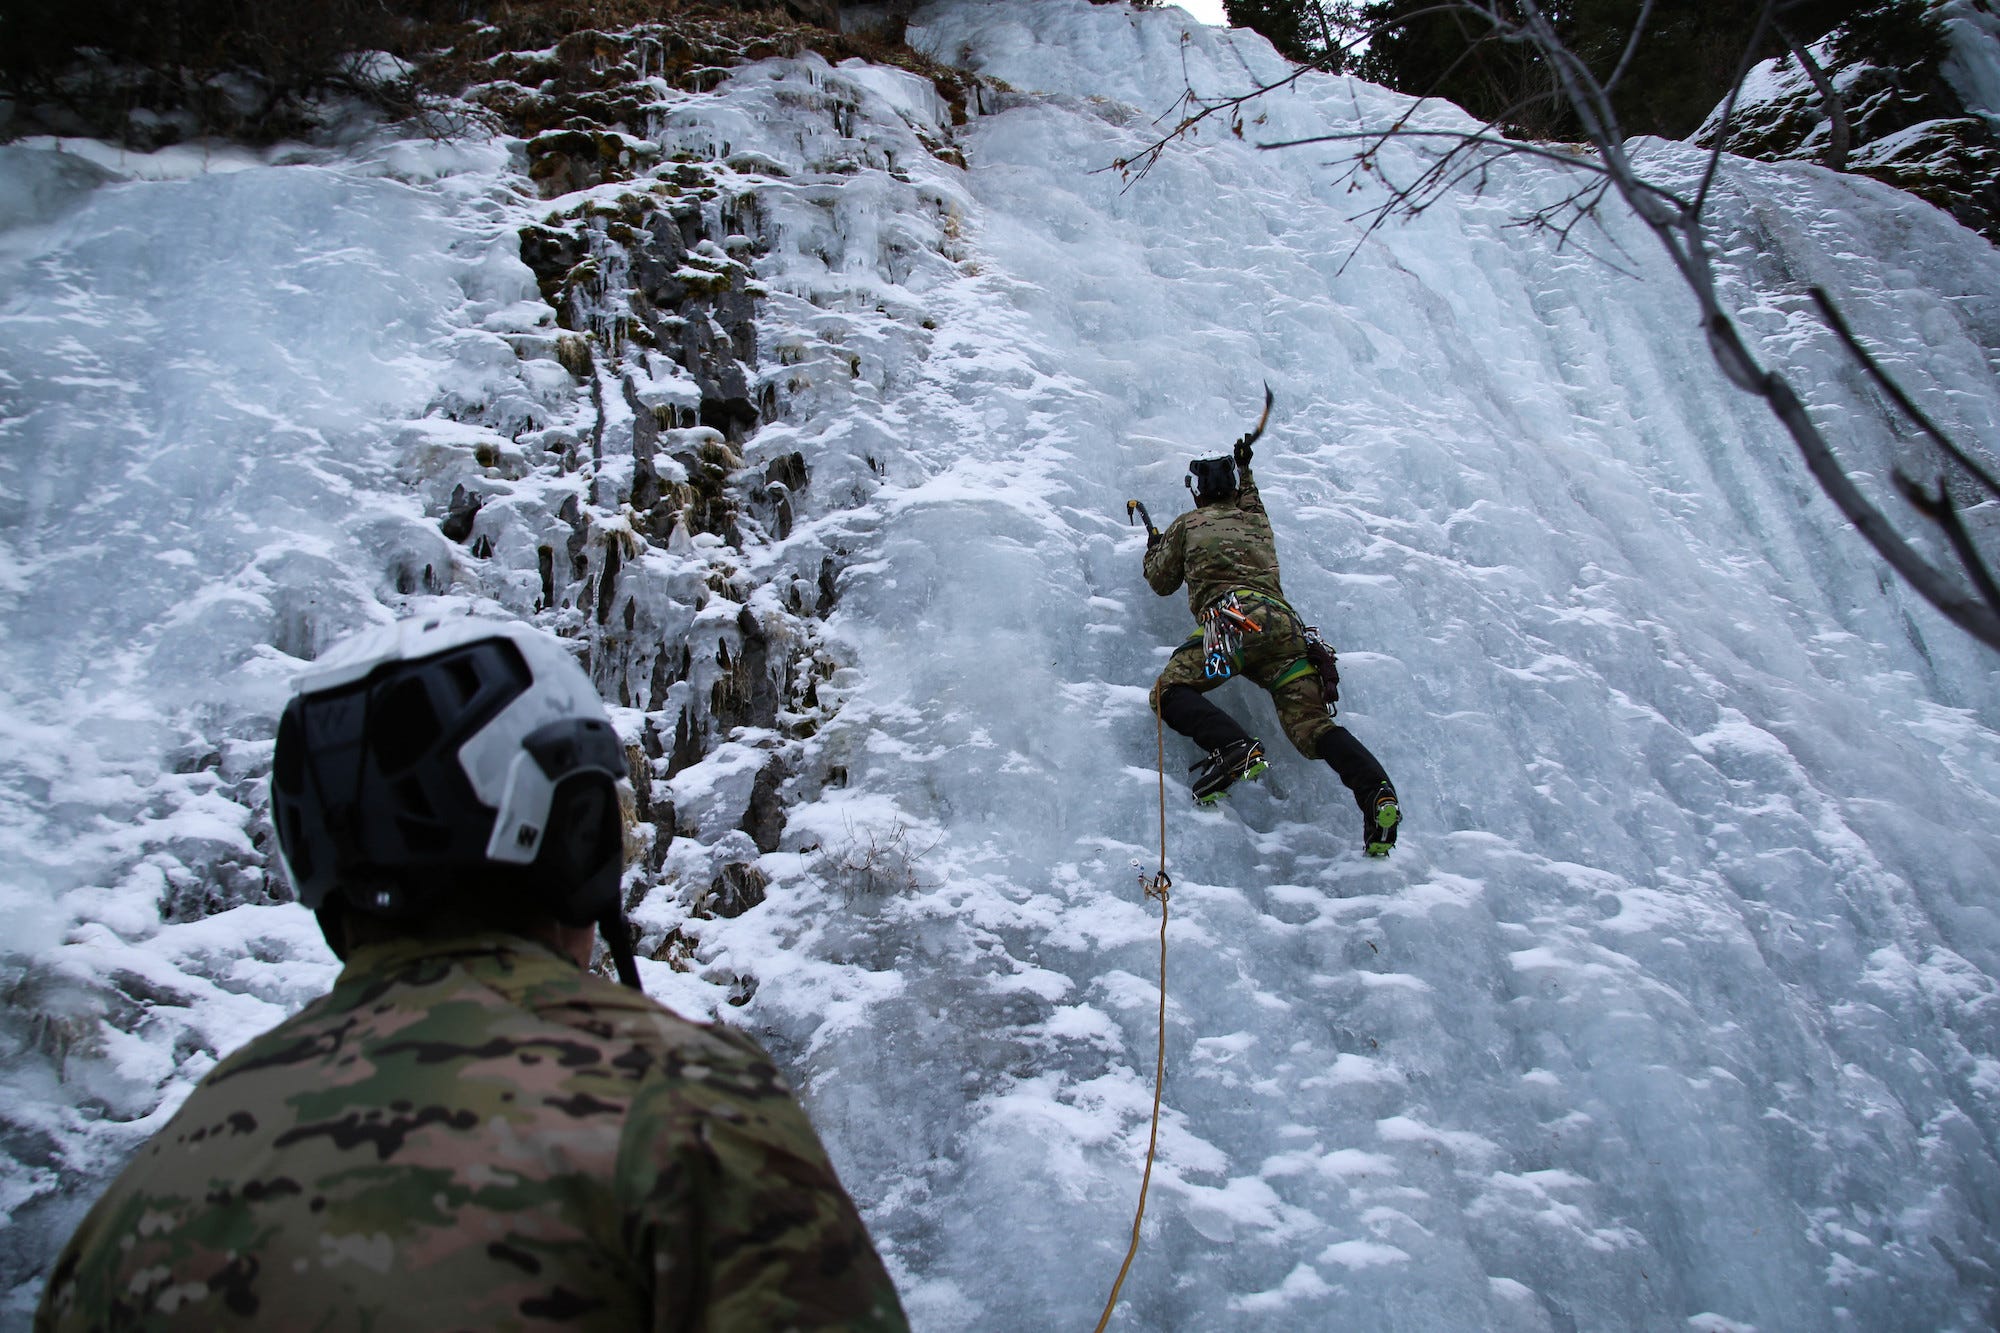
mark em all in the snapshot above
pixel 1679 1005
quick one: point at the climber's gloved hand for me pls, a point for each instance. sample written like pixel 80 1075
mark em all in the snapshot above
pixel 1243 454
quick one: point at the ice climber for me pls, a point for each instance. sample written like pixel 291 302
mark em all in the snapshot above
pixel 472 1130
pixel 1223 549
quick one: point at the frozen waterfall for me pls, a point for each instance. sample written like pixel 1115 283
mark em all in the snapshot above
pixel 1678 1006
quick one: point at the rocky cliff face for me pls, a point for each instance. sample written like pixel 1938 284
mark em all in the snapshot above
pixel 187 69
pixel 660 528
pixel 1915 81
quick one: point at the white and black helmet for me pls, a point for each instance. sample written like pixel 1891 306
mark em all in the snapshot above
pixel 416 758
pixel 1211 479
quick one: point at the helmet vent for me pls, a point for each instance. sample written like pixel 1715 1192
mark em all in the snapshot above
pixel 406 725
pixel 464 673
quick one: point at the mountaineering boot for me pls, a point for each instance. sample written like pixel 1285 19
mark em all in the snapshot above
pixel 1379 818
pixel 1226 766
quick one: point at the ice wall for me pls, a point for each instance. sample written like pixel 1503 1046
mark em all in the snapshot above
pixel 1675 1009
pixel 1676 1004
pixel 206 359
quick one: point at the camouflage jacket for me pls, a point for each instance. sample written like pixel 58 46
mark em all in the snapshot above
pixel 1216 549
pixel 477 1135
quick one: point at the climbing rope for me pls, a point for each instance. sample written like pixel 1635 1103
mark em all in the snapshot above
pixel 1156 886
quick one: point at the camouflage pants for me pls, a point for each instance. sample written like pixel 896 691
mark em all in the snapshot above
pixel 1266 659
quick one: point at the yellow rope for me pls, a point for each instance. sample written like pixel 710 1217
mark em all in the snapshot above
pixel 1161 883
pixel 1156 887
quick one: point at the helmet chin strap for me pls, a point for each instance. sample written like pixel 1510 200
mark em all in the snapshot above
pixel 618 939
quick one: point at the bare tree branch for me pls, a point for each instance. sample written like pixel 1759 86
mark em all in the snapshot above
pixel 1210 107
pixel 1680 232
pixel 1981 619
pixel 1504 147
pixel 1743 68
pixel 1838 323
pixel 1838 134
pixel 1940 510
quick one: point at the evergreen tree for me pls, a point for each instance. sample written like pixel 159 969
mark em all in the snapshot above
pixel 1684 63
pixel 1421 48
pixel 1312 32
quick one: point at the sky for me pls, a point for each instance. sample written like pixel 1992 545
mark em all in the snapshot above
pixel 1208 11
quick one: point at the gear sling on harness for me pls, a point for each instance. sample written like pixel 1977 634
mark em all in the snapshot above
pixel 1223 625
pixel 1225 622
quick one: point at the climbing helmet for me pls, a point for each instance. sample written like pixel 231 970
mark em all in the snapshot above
pixel 419 757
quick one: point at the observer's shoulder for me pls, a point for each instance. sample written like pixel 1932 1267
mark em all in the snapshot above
pixel 311 1037
pixel 484 996
pixel 470 993
pixel 658 1041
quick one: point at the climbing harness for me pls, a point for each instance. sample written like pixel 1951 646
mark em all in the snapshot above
pixel 1223 625
pixel 1155 886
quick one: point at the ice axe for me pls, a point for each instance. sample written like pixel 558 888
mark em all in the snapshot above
pixel 1242 449
pixel 1133 507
